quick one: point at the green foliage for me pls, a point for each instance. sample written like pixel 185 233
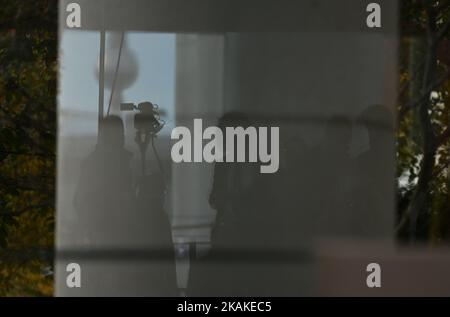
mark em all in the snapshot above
pixel 28 50
pixel 434 222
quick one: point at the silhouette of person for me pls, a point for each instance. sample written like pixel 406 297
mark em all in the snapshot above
pixel 335 173
pixel 375 175
pixel 241 226
pixel 232 193
pixel 105 193
pixel 293 191
pixel 114 218
pixel 152 225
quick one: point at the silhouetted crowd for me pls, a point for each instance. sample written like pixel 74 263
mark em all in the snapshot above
pixel 320 191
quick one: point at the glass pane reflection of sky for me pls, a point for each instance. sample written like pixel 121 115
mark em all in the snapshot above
pixel 155 54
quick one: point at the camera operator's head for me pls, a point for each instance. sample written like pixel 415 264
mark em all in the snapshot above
pixel 111 132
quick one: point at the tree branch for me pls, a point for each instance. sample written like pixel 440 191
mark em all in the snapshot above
pixel 424 96
pixel 442 33
pixel 420 196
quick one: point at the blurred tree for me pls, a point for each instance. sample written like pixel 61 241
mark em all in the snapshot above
pixel 28 51
pixel 423 122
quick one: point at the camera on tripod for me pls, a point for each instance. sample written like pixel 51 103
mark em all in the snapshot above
pixel 147 123
pixel 147 120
